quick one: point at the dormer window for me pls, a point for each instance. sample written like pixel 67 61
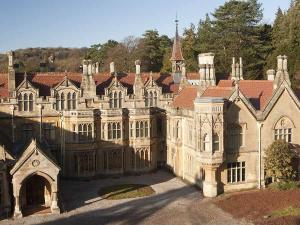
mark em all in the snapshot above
pixel 115 99
pixel 67 102
pixel 25 102
pixel 150 98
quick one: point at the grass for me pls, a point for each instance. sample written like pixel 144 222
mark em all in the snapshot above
pixel 124 191
pixel 283 186
pixel 290 211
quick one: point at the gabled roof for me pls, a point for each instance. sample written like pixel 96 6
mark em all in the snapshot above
pixel 257 92
pixel 32 148
pixel 45 81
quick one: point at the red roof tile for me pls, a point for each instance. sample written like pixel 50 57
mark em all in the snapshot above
pixel 45 81
pixel 185 98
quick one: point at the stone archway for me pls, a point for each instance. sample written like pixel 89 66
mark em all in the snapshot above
pixel 35 195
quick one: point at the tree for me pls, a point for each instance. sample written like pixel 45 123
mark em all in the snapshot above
pixel 278 161
pixel 234 31
pixel 189 48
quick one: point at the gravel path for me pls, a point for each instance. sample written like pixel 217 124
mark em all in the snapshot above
pixel 174 203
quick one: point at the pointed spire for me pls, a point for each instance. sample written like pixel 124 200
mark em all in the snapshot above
pixel 177 53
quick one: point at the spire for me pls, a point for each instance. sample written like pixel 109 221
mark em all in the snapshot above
pixel 177 53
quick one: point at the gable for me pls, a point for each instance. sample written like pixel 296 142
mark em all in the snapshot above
pixel 33 159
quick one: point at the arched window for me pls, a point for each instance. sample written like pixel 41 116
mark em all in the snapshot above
pixel 146 129
pixel 283 130
pixel 151 99
pixel 57 101
pixel 137 129
pixel 109 131
pixel 90 132
pixel 120 99
pixel 142 159
pixel 62 101
pixel 236 137
pixel 146 98
pixel 115 100
pixel 111 101
pixel 146 158
pixel 142 128
pixel 20 102
pixel 118 130
pixel 155 98
pixel 74 100
pixel 30 102
pixel 69 101
pixel 216 142
pixel 206 143
pixel 26 101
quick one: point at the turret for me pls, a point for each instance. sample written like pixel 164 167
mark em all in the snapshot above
pixel 177 59
pixel 210 114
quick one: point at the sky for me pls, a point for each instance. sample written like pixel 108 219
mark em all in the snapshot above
pixel 81 23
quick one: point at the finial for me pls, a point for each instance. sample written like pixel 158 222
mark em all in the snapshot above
pixel 176 19
pixel 25 75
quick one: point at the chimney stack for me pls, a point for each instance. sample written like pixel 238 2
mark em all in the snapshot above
pixel 207 69
pixel 137 66
pixel 237 69
pixel 11 73
pixel 279 63
pixel 271 75
pixel 90 70
pixel 85 67
pixel 112 68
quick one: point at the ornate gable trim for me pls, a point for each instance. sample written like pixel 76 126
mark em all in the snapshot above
pixel 276 95
pixel 32 148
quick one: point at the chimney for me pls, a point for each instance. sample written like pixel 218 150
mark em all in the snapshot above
pixel 271 75
pixel 90 69
pixel 241 69
pixel 207 69
pixel 11 73
pixel 285 63
pixel 112 68
pixel 137 66
pixel 97 67
pixel 279 63
pixel 237 69
pixel 233 70
pixel 85 67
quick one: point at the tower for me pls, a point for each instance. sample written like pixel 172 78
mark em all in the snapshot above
pixel 177 59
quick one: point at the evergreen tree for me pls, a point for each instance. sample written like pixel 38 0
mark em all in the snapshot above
pixel 236 31
pixel 189 48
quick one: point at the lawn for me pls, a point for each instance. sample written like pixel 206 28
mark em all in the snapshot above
pixel 124 191
pixel 263 207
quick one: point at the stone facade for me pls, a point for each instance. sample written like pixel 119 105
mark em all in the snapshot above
pixel 83 125
pixel 217 134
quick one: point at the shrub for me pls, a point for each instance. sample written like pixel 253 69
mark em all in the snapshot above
pixel 283 186
pixel 278 161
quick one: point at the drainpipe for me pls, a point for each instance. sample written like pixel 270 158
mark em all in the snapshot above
pixel 12 123
pixel 259 125
pixel 41 121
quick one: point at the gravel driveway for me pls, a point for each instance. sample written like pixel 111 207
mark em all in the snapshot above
pixel 174 203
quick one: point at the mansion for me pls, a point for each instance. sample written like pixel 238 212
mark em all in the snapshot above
pixel 210 132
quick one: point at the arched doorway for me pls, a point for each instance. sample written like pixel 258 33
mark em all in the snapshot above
pixel 35 195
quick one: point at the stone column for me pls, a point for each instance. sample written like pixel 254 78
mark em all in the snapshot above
pixel 54 206
pixel 210 185
pixel 17 211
